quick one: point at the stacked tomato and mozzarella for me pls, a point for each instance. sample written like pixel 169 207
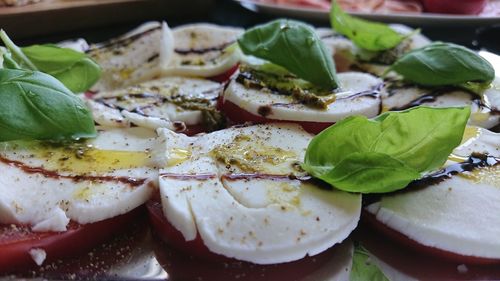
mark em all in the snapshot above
pixel 242 192
pixel 451 213
pixel 53 195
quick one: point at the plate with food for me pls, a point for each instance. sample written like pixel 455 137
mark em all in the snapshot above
pixel 412 12
pixel 205 152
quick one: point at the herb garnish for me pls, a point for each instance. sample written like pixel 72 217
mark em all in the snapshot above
pixel 443 64
pixel 74 69
pixel 386 153
pixel 35 105
pixel 363 267
pixel 294 46
pixel 368 35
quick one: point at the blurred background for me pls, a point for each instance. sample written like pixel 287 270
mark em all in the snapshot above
pixel 98 20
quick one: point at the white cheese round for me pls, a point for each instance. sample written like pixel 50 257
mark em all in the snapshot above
pixel 239 189
pixel 282 107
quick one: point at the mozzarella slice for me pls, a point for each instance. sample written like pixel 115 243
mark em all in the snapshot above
pixel 46 185
pixel 201 50
pixel 134 57
pixel 485 108
pixel 154 50
pixel 359 97
pixel 459 214
pixel 241 191
pixel 170 102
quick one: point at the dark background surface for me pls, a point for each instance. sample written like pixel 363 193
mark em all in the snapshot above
pixel 229 12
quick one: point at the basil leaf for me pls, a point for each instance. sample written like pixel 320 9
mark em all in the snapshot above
pixel 368 35
pixel 294 46
pixel 386 153
pixel 363 268
pixel 74 69
pixel 82 75
pixel 366 172
pixel 35 105
pixel 442 64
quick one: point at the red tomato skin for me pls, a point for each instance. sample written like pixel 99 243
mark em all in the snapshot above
pixel 224 77
pixel 78 239
pixel 369 220
pixel 467 7
pixel 173 237
pixel 238 115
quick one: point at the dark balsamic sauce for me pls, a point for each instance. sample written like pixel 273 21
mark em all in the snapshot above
pixel 201 51
pixel 122 42
pixel 475 161
pixel 433 94
pixel 133 182
pixel 235 177
pixel 185 177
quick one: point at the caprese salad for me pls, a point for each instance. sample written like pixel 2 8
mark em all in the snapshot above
pixel 264 145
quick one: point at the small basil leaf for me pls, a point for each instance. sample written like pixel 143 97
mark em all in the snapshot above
pixel 74 69
pixel 294 46
pixel 390 150
pixel 363 268
pixel 53 58
pixel 368 35
pixel 35 105
pixel 442 64
pixel 82 75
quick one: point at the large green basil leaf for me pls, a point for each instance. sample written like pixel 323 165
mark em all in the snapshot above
pixel 294 46
pixel 368 35
pixel 368 172
pixel 35 105
pixel 386 153
pixel 441 64
pixel 363 268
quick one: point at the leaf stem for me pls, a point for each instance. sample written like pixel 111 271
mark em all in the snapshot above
pixel 16 51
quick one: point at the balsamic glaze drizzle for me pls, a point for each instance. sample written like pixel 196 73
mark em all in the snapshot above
pixel 433 94
pixel 201 51
pixel 475 161
pixel 133 182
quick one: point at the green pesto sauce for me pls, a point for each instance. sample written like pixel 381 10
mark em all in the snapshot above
pixel 284 83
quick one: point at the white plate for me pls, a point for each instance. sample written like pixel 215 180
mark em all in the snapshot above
pixel 424 19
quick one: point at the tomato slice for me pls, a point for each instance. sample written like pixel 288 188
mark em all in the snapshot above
pixel 371 221
pixel 17 241
pixel 224 77
pixel 191 260
pixel 238 115
pixel 170 235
